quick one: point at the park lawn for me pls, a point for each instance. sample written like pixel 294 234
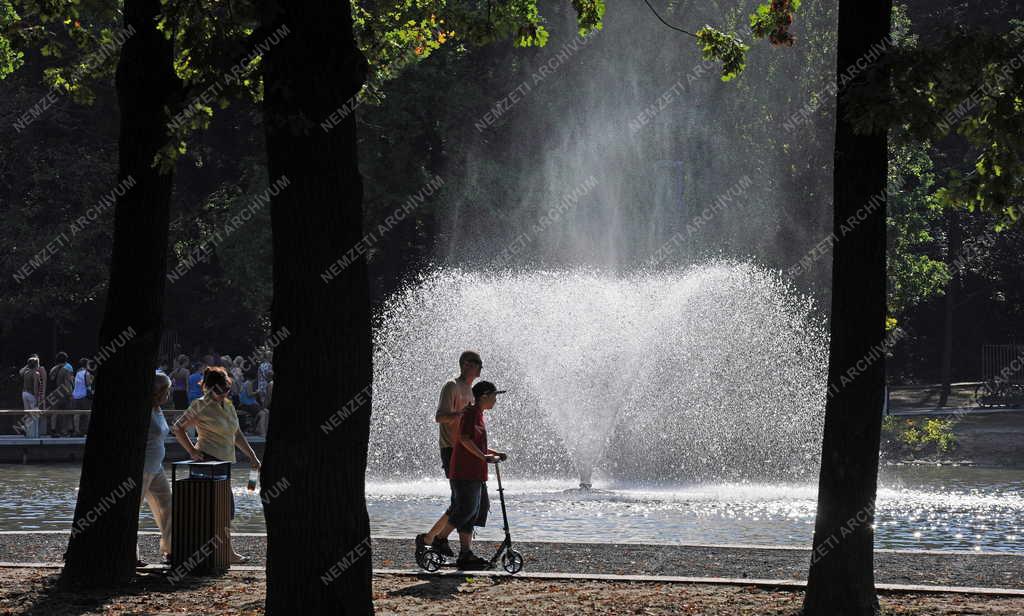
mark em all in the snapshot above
pixel 28 591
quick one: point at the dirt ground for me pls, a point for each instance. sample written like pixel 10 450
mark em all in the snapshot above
pixel 995 439
pixel 29 591
pixel 985 569
pixel 927 396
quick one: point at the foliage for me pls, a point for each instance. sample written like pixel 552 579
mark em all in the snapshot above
pixel 420 118
pixel 55 225
pixel 245 259
pixel 591 14
pixel 218 46
pixel 407 32
pixel 10 58
pixel 938 91
pixel 918 435
pixel 970 84
pixel 82 39
pixel 724 48
pixel 772 20
pixel 916 269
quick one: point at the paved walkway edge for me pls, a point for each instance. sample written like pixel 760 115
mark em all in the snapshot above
pixel 608 577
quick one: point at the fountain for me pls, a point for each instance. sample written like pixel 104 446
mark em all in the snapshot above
pixel 715 371
pixel 620 366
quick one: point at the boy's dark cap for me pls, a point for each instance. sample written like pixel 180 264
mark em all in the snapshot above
pixel 485 387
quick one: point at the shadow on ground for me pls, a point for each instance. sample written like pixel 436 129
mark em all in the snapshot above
pixel 51 599
pixel 431 587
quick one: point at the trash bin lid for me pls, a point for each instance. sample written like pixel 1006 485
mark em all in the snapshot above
pixel 205 470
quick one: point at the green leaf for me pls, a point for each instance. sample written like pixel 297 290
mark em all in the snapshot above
pixel 724 48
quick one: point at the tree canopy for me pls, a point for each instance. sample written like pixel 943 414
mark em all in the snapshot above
pixel 454 61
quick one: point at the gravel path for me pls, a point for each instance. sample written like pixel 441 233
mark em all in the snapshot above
pixel 966 569
pixel 32 592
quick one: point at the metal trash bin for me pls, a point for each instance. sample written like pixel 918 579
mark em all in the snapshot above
pixel 200 518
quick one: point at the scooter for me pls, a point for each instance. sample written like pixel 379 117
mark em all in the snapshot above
pixel 511 560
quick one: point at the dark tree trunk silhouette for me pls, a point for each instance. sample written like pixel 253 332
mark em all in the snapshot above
pixel 954 244
pixel 102 546
pixel 318 552
pixel 841 578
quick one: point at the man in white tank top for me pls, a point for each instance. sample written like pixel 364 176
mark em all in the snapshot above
pixel 456 395
pixel 33 392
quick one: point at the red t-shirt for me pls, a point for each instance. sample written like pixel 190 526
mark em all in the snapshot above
pixel 464 464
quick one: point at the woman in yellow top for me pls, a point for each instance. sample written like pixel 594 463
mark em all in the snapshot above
pixel 216 424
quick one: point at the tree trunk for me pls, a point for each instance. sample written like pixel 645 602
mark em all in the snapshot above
pixel 954 239
pixel 313 478
pixel 841 578
pixel 102 546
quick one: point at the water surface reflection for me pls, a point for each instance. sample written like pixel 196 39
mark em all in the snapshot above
pixel 958 508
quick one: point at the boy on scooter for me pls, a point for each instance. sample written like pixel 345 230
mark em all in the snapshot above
pixel 456 395
pixel 468 478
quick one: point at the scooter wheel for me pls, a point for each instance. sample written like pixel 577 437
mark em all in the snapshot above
pixel 432 561
pixel 425 560
pixel 512 561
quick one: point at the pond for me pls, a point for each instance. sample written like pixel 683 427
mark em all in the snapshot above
pixel 919 507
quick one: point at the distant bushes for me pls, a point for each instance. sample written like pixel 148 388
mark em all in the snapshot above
pixel 914 438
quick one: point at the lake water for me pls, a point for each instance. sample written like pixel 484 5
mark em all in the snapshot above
pixel 919 507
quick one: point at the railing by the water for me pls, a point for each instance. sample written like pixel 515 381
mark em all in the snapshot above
pixel 35 423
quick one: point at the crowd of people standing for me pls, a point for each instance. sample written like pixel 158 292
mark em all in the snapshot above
pixel 251 386
pixel 68 387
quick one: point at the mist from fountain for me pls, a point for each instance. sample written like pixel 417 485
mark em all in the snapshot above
pixel 715 371
pixel 629 155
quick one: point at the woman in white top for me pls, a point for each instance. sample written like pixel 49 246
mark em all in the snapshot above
pixel 155 487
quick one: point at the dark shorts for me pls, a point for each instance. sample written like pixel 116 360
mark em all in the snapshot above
pixel 446 459
pixel 469 504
